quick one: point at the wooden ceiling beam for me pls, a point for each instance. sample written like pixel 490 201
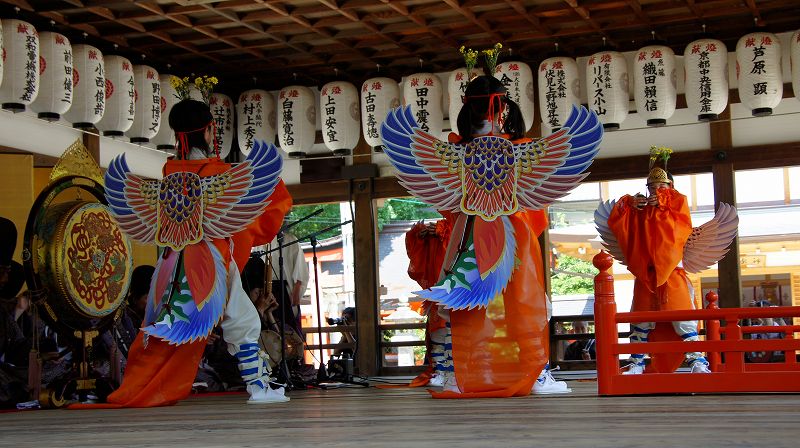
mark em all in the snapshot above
pixel 519 8
pixel 751 5
pixel 469 15
pixel 694 9
pixel 421 21
pixel 587 17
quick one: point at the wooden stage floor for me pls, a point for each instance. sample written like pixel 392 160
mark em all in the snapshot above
pixel 358 417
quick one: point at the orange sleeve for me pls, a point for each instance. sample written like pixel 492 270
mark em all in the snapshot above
pixel 265 227
pixel 652 239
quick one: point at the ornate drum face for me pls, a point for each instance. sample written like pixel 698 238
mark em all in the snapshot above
pixel 85 261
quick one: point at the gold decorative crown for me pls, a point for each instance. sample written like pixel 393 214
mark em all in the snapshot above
pixel 659 155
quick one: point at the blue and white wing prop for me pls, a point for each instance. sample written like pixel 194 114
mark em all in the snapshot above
pixel 426 166
pixel 709 242
pixel 234 199
pixel 554 165
pixel 608 238
pixel 133 201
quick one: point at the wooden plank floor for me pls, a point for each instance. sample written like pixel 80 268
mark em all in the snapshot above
pixel 409 418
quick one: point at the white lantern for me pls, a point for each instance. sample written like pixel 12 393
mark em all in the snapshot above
pixel 147 108
pixel 795 62
pixel 222 110
pixel 758 69
pixel 338 104
pixel 2 52
pixel 378 96
pixel 457 83
pixel 165 137
pixel 253 114
pixel 655 84
pixel 120 97
pixel 21 57
pixel 607 87
pixel 705 63
pixel 518 79
pixel 423 92
pixel 559 90
pixel 89 87
pixel 55 83
pixel 297 120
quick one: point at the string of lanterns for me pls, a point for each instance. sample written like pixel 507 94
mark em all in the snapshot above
pixel 77 83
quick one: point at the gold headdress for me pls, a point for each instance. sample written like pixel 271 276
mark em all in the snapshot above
pixel 183 86
pixel 659 154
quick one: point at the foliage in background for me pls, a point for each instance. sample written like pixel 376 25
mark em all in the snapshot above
pixel 404 209
pixel 562 283
pixel 330 215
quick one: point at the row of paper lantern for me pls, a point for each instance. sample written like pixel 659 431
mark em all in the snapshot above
pixel 43 71
pixel 758 70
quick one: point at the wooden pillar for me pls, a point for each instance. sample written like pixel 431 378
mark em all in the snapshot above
pixel 729 272
pixel 92 143
pixel 365 249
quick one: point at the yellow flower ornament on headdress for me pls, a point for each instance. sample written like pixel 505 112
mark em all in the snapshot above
pixel 183 86
pixel 658 174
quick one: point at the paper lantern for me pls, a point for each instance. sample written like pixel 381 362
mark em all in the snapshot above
pixel 88 85
pixel 795 62
pixel 147 104
pixel 255 115
pixel 758 69
pixel 457 83
pixel 165 137
pixel 222 110
pixel 423 93
pixel 518 79
pixel 55 80
pixel 338 104
pixel 607 87
pixel 21 65
pixel 378 96
pixel 559 90
pixel 120 97
pixel 655 84
pixel 297 120
pixel 705 63
pixel 2 53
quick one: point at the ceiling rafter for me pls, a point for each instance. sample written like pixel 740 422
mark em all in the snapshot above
pixel 751 5
pixel 371 26
pixel 419 20
pixel 482 24
pixel 280 9
pixel 587 17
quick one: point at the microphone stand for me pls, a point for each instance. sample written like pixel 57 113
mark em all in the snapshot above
pixel 282 288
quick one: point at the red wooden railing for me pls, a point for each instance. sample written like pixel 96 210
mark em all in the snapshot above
pixel 725 346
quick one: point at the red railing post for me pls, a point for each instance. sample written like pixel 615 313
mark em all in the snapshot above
pixel 605 324
pixel 712 331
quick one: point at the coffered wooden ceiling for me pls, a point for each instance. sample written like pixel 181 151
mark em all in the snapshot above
pixel 306 41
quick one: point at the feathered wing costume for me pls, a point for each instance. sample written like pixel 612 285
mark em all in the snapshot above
pixel 490 178
pixel 185 213
pixel 492 279
pixel 205 214
pixel 704 247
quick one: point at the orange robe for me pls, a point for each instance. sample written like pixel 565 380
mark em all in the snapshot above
pixel 162 374
pixel 652 241
pixel 500 350
pixel 426 256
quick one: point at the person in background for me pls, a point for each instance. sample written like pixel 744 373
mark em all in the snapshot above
pixel 581 349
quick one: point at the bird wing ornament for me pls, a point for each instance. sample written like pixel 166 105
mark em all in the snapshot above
pixel 709 242
pixel 490 178
pixel 185 212
pixel 609 240
pixel 706 245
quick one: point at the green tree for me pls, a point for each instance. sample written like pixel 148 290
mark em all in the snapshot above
pixel 565 281
pixel 404 209
pixel 330 215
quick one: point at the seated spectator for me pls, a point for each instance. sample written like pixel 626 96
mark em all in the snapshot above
pixel 581 349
